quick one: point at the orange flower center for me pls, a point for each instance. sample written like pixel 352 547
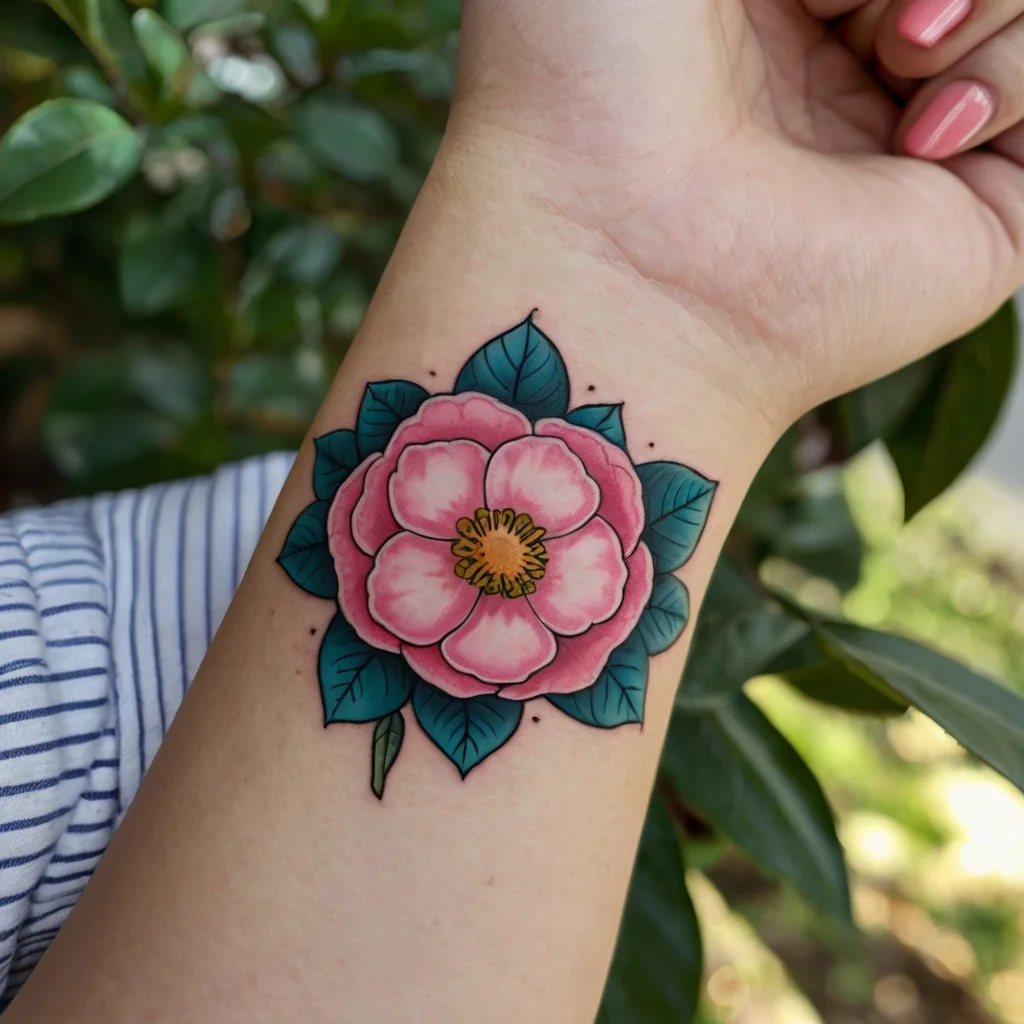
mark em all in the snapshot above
pixel 500 552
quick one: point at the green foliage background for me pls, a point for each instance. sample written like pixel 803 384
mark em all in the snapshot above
pixel 198 198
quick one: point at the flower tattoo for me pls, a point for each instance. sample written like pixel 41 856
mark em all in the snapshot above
pixel 489 546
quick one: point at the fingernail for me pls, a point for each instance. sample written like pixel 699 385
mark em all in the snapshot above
pixel 950 121
pixel 926 22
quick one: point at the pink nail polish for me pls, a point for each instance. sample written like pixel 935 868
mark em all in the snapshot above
pixel 950 121
pixel 927 22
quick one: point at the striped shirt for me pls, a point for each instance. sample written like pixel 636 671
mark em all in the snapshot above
pixel 107 606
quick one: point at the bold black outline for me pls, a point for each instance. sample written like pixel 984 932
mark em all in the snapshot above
pixel 418 681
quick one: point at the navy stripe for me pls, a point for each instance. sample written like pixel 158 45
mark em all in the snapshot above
pixel 66 563
pixel 72 858
pixel 19 788
pixel 8 584
pixel 15 561
pixel 27 858
pixel 71 581
pixel 54 677
pixel 13 666
pixel 57 879
pixel 132 645
pixel 235 525
pixel 40 819
pixel 22 607
pixel 57 546
pixel 154 630
pixel 79 641
pixel 15 897
pixel 99 794
pixel 51 709
pixel 56 910
pixel 14 634
pixel 62 741
pixel 97 826
pixel 180 555
pixel 74 606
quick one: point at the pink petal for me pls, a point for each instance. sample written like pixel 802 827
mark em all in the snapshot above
pixel 503 641
pixel 540 476
pixel 413 589
pixel 351 565
pixel 621 498
pixel 437 484
pixel 429 664
pixel 584 579
pixel 580 659
pixel 441 418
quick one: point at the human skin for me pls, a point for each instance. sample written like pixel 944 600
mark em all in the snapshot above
pixel 700 200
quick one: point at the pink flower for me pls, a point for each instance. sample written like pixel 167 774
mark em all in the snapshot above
pixel 496 557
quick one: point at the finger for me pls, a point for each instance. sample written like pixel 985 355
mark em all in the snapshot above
pixel 828 10
pixel 857 31
pixel 980 97
pixel 924 38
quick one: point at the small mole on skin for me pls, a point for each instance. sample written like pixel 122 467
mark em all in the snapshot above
pixel 433 373
pixel 490 881
pixel 536 718
pixel 591 388
pixel 312 630
pixel 650 444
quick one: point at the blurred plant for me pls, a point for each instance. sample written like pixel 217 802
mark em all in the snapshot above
pixel 200 198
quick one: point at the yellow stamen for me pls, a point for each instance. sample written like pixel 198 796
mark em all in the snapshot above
pixel 500 552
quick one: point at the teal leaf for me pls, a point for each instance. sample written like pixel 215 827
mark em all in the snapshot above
pixel 521 368
pixel 986 718
pixel 617 698
pixel 465 730
pixel 387 742
pixel 658 962
pixel 666 614
pixel 605 419
pixel 305 555
pixel 63 156
pixel 733 767
pixel 385 404
pixel 336 456
pixel 360 683
pixel 961 407
pixel 677 501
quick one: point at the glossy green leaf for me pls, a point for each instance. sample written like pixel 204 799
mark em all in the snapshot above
pixel 105 27
pixel 617 698
pixel 387 743
pixel 986 718
pixel 677 501
pixel 605 419
pixel 665 616
pixel 465 731
pixel 186 14
pixel 337 454
pixel 63 156
pixel 305 555
pixel 962 405
pixel 165 51
pixel 656 971
pixel 385 404
pixel 832 683
pixel 521 368
pixel 883 406
pixel 730 648
pixel 360 683
pixel 160 265
pixel 355 141
pixel 738 772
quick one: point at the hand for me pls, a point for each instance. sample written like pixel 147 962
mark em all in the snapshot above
pixel 737 155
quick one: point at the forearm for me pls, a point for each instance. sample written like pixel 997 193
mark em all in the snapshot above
pixel 256 876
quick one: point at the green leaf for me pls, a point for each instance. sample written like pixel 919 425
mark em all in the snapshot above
pixel 355 141
pixel 832 683
pixel 986 718
pixel 63 156
pixel 617 698
pixel 159 266
pixel 306 254
pixel 265 385
pixel 360 683
pixel 465 731
pixel 165 50
pixel 605 419
pixel 104 26
pixel 336 456
pixel 170 378
pixel 385 404
pixel 186 14
pixel 878 409
pixel 387 742
pixel 656 970
pixel 728 649
pixel 521 368
pixel 666 614
pixel 737 771
pixel 305 555
pixel 677 501
pixel 959 411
